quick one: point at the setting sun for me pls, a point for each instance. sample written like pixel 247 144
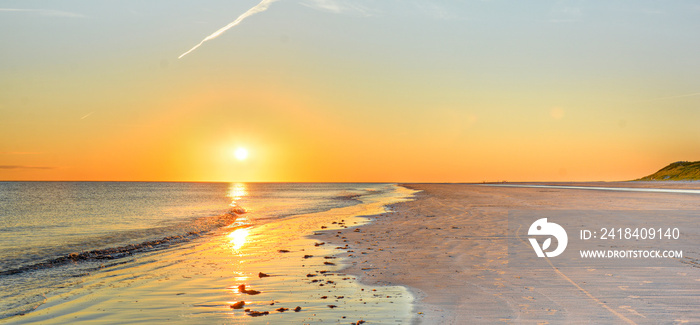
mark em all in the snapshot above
pixel 241 153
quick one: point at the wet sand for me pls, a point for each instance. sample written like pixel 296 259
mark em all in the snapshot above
pixel 449 247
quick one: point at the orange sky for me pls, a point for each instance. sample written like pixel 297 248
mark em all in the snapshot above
pixel 370 97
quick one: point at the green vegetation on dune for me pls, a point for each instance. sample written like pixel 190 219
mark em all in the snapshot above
pixel 677 171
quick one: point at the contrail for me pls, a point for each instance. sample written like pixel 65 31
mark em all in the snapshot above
pixel 260 7
pixel 679 96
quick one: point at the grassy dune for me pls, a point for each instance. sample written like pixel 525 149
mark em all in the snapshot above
pixel 677 171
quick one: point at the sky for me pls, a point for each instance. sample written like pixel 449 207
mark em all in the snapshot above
pixel 347 91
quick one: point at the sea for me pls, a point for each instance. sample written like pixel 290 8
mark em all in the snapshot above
pixel 150 252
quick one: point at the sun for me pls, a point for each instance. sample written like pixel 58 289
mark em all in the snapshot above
pixel 241 153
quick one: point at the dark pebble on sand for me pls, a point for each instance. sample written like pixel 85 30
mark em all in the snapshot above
pixel 238 305
pixel 282 309
pixel 308 256
pixel 298 309
pixel 283 251
pixel 262 275
pixel 242 289
pixel 332 306
pixel 255 313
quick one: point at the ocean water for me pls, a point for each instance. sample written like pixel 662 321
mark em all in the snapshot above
pixel 68 248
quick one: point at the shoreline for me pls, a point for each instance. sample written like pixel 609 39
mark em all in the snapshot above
pixel 448 247
pixel 200 280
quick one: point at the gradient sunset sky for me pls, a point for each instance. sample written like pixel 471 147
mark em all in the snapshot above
pixel 336 90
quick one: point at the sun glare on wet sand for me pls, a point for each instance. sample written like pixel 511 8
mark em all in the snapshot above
pixel 238 237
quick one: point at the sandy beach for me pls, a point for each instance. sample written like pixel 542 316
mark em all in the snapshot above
pixel 449 246
pixel 445 254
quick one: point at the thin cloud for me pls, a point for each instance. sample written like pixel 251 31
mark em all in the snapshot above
pixel 680 96
pixel 672 97
pixel 19 153
pixel 336 6
pixel 45 12
pixel 260 7
pixel 24 167
pixel 564 21
pixel 565 14
pixel 373 8
pixel 436 11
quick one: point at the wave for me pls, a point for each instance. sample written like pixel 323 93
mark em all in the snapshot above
pixel 349 196
pixel 179 233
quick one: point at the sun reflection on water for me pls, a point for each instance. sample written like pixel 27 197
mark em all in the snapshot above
pixel 237 238
pixel 237 191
